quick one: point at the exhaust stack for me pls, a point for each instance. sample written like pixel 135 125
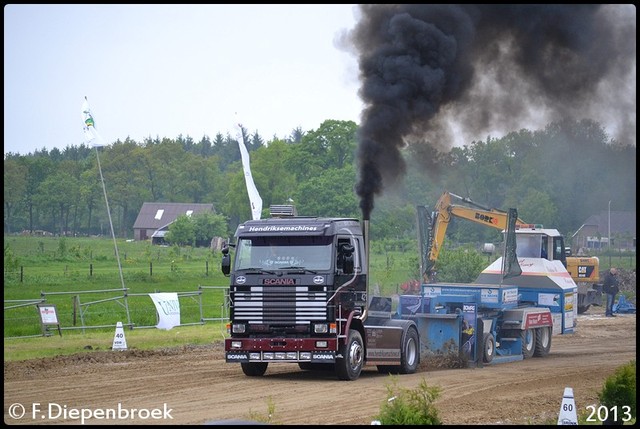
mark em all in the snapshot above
pixel 365 232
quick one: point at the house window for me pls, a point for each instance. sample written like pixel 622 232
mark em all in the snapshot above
pixel 159 214
pixel 597 243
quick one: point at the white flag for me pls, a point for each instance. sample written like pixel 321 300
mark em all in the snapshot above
pixel 168 308
pixel 254 195
pixel 89 126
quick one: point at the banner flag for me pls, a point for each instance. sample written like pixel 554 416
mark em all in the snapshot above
pixel 168 308
pixel 89 126
pixel 254 195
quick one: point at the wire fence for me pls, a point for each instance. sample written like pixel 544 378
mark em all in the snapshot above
pixel 103 309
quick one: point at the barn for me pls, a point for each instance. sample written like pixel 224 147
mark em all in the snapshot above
pixel 154 218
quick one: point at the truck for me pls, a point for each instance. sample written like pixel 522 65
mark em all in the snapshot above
pixel 533 241
pixel 299 294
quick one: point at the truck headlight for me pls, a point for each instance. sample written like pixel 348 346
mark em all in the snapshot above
pixel 238 328
pixel 236 344
pixel 320 328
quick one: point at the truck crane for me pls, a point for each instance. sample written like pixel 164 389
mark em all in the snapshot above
pixel 533 241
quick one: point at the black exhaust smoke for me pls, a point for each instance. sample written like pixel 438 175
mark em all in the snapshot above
pixel 430 72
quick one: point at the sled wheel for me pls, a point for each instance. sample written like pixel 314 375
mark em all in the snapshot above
pixel 488 347
pixel 543 341
pixel 528 342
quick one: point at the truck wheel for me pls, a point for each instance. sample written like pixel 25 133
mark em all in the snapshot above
pixel 410 354
pixel 528 337
pixel 488 347
pixel 254 369
pixel 543 342
pixel 349 366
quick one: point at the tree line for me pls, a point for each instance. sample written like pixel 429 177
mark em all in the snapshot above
pixel 557 176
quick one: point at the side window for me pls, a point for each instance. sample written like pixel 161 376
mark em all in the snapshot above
pixel 558 249
pixel 340 254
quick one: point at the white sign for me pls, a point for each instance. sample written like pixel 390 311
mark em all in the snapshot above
pixel 489 295
pixel 48 314
pixel 168 308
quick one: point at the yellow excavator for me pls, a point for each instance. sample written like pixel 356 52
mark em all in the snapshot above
pixel 532 241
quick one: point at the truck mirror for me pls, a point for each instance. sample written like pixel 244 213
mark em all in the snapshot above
pixel 226 261
pixel 346 251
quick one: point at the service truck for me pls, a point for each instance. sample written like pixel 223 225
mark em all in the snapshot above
pixel 299 294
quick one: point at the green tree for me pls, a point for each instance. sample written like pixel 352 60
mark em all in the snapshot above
pixel 207 226
pixel 329 193
pixel 182 231
pixel 15 187
pixel 332 145
pixel 58 192
pixel 538 207
pixel 121 167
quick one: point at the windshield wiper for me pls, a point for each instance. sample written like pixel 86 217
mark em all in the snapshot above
pixel 257 270
pixel 303 269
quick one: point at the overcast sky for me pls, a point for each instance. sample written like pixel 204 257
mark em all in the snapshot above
pixel 170 70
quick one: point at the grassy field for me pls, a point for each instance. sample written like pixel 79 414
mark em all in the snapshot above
pixel 81 277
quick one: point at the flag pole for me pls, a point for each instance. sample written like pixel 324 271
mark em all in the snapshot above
pixel 91 135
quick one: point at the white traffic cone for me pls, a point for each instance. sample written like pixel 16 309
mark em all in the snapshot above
pixel 119 341
pixel 568 415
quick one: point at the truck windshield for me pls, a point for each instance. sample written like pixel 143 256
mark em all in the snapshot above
pixel 528 246
pixel 273 253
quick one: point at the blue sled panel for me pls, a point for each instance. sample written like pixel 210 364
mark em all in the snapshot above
pixel 439 333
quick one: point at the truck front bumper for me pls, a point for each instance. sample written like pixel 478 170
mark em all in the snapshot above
pixel 281 349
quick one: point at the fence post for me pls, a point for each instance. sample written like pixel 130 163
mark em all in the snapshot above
pixel 90 270
pixel 75 308
pixel 21 273
pixel 150 269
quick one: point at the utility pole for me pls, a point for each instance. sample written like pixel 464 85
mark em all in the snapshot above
pixel 609 234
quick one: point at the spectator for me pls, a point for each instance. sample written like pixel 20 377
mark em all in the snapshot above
pixel 611 288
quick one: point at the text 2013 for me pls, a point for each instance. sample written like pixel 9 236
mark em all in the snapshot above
pixel 602 413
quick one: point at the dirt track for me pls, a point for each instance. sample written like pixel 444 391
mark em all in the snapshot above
pixel 198 387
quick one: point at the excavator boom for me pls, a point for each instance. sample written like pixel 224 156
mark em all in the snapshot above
pixel 445 209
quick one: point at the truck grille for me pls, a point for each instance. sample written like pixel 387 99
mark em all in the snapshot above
pixel 279 305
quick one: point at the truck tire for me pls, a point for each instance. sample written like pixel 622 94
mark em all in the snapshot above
pixel 543 341
pixel 254 369
pixel 528 337
pixel 409 355
pixel 488 347
pixel 410 352
pixel 349 366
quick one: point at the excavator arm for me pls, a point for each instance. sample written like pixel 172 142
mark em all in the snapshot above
pixel 438 221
